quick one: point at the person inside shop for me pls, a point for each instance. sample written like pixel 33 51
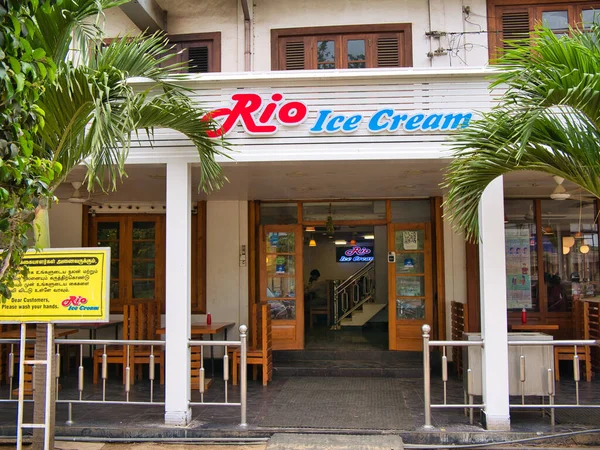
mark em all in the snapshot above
pixel 317 290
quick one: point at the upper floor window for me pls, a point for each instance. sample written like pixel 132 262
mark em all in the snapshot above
pixel 344 47
pixel 511 20
pixel 200 52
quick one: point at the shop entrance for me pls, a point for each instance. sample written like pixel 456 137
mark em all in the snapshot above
pixel 344 298
pixel 341 273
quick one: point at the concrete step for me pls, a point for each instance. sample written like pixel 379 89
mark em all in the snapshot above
pixel 293 441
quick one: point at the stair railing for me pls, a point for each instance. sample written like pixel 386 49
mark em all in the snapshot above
pixel 351 294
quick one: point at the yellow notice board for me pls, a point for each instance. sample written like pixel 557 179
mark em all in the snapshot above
pixel 63 285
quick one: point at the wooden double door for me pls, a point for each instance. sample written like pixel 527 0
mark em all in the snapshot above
pixel 137 256
pixel 410 283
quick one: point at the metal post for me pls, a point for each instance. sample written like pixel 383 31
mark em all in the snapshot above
pixel 48 405
pixel 426 376
pixel 70 418
pixel 243 375
pixel 21 387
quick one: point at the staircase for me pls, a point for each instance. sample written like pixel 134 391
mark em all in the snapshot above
pixel 353 299
pixel 362 315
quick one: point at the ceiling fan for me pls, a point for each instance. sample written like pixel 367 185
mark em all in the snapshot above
pixel 78 193
pixel 559 193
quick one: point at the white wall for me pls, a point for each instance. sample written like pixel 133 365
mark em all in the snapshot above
pixel 227 282
pixel 65 224
pixel 191 16
pixel 445 16
pixel 455 270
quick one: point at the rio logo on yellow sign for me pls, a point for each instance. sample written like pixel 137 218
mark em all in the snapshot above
pixel 63 285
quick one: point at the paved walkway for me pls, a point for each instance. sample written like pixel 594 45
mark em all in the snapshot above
pixel 373 405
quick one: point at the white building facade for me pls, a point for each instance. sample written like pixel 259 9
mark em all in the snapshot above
pixel 330 109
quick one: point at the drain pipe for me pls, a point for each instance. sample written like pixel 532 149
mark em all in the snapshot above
pixel 247 36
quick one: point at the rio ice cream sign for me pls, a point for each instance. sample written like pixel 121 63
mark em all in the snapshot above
pixel 260 116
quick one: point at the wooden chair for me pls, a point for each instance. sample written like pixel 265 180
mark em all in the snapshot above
pixel 565 353
pixel 140 321
pixel 321 310
pixel 262 353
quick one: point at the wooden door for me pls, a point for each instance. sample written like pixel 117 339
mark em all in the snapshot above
pixel 281 283
pixel 137 259
pixel 410 285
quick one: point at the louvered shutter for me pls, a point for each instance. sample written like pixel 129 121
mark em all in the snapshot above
pixel 388 50
pixel 515 26
pixel 294 55
pixel 198 59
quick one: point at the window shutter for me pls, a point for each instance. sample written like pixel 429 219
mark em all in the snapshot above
pixel 294 55
pixel 198 60
pixel 388 51
pixel 515 26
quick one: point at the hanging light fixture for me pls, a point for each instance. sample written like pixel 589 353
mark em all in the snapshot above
pixel 584 249
pixel 566 250
pixel 340 242
pixel 312 243
pixel 548 230
pixel 568 241
pixel 310 229
pixel 353 242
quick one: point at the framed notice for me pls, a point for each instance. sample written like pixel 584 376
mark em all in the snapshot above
pixel 63 285
pixel 518 268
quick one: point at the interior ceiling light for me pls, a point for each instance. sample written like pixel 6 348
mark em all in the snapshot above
pixel 548 230
pixel 338 242
pixel 310 229
pixel 559 193
pixel 568 241
pixel 312 243
pixel 353 242
pixel 566 250
pixel 578 235
pixel 369 236
pixel 584 249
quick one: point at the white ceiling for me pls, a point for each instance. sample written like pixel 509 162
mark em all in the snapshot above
pixel 312 180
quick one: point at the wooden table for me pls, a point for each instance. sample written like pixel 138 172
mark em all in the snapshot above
pixel 533 327
pixel 202 329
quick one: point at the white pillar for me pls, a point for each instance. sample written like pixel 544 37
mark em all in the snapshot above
pixel 178 290
pixel 492 269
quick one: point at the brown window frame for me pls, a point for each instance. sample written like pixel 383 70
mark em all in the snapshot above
pixel 210 40
pixel 340 35
pixel 534 8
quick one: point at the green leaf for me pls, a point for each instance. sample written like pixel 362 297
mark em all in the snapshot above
pixel 38 53
pixel 20 79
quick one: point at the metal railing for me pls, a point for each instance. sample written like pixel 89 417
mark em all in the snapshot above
pixel 522 376
pixel 352 293
pixel 129 346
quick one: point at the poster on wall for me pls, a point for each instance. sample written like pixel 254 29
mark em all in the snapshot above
pixel 63 285
pixel 518 268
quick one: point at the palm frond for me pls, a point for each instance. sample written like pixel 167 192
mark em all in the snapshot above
pixel 546 121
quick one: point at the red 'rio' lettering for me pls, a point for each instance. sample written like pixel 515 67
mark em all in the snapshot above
pixel 245 109
pixel 269 110
pixel 74 300
pixel 292 113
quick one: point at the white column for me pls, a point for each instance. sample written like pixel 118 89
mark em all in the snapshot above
pixel 178 290
pixel 492 269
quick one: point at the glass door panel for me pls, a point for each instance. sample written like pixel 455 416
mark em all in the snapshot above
pixel 281 283
pixel 143 256
pixel 137 255
pixel 411 284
